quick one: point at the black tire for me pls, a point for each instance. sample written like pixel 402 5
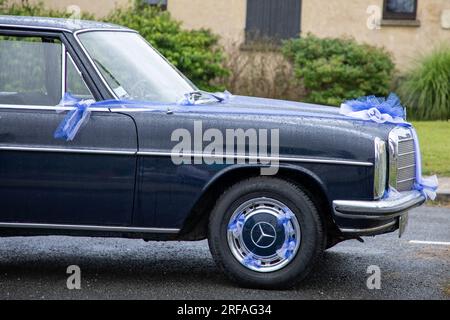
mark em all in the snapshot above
pixel 312 233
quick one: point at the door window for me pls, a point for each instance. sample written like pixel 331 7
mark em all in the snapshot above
pixel 75 84
pixel 30 70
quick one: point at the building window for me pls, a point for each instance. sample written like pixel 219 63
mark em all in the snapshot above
pixel 272 20
pixel 400 9
pixel 160 3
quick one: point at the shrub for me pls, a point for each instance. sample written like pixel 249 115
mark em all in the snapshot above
pixel 195 53
pixel 425 90
pixel 333 70
pixel 260 71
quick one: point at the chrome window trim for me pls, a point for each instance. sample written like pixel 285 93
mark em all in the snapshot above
pixel 63 70
pixel 49 108
pixel 77 32
pixel 75 35
pixel 24 26
pixel 88 228
pixel 61 29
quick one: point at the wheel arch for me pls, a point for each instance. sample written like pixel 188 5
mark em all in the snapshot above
pixel 196 224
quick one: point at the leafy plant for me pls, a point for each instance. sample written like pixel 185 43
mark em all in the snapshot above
pixel 333 70
pixel 196 53
pixel 425 89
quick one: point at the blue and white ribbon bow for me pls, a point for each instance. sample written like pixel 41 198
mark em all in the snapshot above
pixel 190 99
pixel 75 119
pixel 390 110
pixel 288 247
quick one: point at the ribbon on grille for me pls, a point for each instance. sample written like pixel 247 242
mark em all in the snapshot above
pixel 390 110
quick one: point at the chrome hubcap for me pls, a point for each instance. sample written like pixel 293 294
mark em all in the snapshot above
pixel 264 235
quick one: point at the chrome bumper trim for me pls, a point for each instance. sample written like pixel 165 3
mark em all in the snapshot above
pixel 383 209
pixel 368 231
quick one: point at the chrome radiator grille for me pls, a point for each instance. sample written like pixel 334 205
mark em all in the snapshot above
pixel 402 159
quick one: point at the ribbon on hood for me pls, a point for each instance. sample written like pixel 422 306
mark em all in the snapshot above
pixel 390 110
pixel 80 115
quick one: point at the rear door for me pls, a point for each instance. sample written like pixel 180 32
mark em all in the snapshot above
pixel 43 180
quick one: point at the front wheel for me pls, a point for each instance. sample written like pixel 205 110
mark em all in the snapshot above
pixel 265 233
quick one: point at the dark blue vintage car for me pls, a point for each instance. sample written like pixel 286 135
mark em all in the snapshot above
pixel 269 183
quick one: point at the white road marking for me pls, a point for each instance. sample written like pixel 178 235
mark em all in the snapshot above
pixel 439 243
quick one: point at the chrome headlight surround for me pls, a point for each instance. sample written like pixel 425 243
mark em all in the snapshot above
pixel 380 169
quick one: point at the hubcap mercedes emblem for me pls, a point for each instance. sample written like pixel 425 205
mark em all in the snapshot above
pixel 263 235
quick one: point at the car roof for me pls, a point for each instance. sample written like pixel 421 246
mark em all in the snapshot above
pixel 60 24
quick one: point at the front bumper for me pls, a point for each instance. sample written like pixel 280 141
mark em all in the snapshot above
pixel 375 217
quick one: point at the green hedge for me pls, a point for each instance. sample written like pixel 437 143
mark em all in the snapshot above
pixel 333 70
pixel 196 53
pixel 425 90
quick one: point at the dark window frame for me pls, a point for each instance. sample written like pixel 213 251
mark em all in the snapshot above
pixel 388 15
pixel 264 35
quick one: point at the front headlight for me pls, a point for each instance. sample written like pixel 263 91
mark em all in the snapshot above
pixel 380 170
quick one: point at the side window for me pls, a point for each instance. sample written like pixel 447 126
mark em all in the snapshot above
pixel 75 84
pixel 30 70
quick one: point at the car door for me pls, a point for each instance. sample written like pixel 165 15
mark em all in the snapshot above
pixel 43 180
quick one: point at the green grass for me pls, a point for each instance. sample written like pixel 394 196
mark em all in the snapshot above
pixel 434 137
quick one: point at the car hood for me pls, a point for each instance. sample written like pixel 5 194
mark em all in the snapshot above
pixel 281 110
pixel 304 129
pixel 267 111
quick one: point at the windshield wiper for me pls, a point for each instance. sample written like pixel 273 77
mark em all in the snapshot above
pixel 107 72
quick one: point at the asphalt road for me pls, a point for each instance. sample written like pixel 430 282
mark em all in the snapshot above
pixel 35 268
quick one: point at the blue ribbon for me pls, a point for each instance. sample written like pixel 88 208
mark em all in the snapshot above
pixel 390 110
pixel 189 99
pixel 78 117
pixel 288 247
pixel 237 224
pixel 75 119
pixel 250 261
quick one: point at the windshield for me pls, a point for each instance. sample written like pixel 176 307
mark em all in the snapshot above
pixel 133 69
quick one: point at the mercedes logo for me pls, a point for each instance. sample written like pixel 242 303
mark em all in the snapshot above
pixel 263 235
